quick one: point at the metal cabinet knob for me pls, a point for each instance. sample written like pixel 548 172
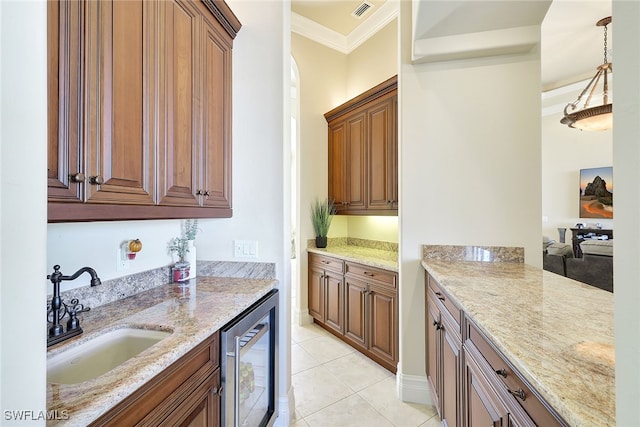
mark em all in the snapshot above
pixel 518 393
pixel 96 180
pixel 77 178
pixel 502 373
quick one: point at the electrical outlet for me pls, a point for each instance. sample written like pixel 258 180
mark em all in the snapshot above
pixel 245 248
pixel 122 260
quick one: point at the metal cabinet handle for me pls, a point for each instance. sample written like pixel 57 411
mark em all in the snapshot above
pixel 502 373
pixel 206 193
pixel 199 193
pixel 366 273
pixel 324 261
pixel 218 390
pixel 518 393
pixel 96 180
pixel 77 178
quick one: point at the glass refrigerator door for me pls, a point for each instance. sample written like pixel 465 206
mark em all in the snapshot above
pixel 252 375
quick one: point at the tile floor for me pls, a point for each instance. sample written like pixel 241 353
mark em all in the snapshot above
pixel 336 386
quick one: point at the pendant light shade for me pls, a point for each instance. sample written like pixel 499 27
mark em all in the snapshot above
pixel 599 117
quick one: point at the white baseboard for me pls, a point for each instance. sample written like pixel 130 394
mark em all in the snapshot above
pixel 413 388
pixel 286 409
pixel 301 317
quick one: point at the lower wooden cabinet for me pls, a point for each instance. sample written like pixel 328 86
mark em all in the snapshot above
pixel 472 383
pixel 186 394
pixel 444 357
pixel 359 306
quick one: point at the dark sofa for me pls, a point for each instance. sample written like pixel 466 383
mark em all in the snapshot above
pixel 594 268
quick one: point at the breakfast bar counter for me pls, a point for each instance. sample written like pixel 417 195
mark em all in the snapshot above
pixel 192 313
pixel 557 332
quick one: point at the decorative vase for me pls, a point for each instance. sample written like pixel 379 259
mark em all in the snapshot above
pixel 180 272
pixel 190 257
pixel 321 241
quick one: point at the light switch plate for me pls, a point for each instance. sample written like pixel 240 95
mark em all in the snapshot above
pixel 245 248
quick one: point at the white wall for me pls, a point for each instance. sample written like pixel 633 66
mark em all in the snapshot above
pixel 23 135
pixel 470 160
pixel 564 152
pixel 626 161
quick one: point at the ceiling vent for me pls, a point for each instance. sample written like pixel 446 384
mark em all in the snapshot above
pixel 361 9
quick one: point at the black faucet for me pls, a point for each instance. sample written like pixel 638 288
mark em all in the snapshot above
pixel 57 309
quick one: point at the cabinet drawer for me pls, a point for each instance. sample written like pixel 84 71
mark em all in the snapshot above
pixel 514 384
pixel 444 299
pixel 326 262
pixel 371 273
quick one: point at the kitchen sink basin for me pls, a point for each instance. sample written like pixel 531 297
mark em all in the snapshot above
pixel 100 354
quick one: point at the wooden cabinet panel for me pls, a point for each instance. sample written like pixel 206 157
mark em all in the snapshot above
pixel 383 147
pixel 355 314
pixel 433 344
pixel 363 171
pixel 451 381
pixel 334 301
pixel 316 293
pixel 384 323
pixel 337 190
pixel 215 175
pixel 179 145
pixel 65 21
pixel 139 109
pixel 119 122
pixel 481 406
pixel 355 146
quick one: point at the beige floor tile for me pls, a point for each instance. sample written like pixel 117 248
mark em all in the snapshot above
pixel 301 360
pixel 350 412
pixel 326 348
pixel 317 388
pixel 306 332
pixel 357 371
pixel 432 422
pixel 382 396
pixel 298 421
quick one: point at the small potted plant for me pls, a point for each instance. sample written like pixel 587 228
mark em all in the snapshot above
pixel 180 247
pixel 322 212
pixel 189 231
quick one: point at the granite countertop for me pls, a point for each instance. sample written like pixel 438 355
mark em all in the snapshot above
pixel 387 260
pixel 192 313
pixel 557 332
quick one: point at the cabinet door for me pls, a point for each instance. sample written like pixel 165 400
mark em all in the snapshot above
pixel 119 120
pixel 481 406
pixel 179 148
pixel 316 294
pixel 355 313
pixel 451 367
pixel 215 173
pixel 334 301
pixel 383 328
pixel 433 342
pixel 200 409
pixel 382 185
pixel 337 190
pixel 356 166
pixel 65 20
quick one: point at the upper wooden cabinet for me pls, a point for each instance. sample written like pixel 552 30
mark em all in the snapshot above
pixel 363 152
pixel 140 109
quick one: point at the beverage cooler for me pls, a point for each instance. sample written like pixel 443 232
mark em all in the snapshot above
pixel 248 366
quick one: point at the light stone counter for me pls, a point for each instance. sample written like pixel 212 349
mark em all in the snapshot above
pixel 387 260
pixel 557 332
pixel 193 313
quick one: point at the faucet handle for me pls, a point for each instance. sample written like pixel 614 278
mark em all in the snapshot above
pixel 55 276
pixel 74 308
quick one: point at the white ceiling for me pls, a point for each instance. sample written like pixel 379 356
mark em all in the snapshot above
pixel 572 45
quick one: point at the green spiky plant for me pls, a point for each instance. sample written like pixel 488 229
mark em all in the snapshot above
pixel 322 212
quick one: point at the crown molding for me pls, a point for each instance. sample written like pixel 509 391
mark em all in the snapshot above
pixel 345 44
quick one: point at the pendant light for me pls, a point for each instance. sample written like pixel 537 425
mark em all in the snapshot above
pixel 599 117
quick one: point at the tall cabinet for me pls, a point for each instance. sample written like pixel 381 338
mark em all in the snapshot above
pixel 140 109
pixel 363 152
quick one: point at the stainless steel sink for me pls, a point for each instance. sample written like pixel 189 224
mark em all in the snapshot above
pixel 100 355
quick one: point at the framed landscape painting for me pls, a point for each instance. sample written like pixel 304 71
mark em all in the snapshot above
pixel 596 192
